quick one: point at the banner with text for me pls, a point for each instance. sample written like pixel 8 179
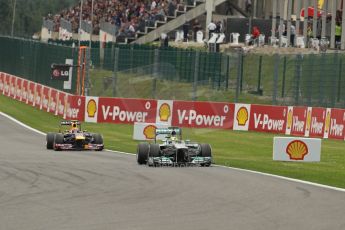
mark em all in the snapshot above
pixel 203 114
pixel 264 118
pixel 128 111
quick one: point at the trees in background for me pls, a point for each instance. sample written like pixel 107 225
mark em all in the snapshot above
pixel 29 14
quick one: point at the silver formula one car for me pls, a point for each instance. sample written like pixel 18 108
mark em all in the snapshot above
pixel 173 151
pixel 74 138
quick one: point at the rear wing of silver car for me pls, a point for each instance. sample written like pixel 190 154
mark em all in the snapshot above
pixel 171 131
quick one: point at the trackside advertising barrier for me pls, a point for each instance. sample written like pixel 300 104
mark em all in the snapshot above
pixel 42 97
pixel 268 118
pixel 120 110
pixel 203 114
pixel 310 122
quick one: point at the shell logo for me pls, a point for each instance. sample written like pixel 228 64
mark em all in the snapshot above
pixel 164 112
pixel 297 150
pixel 289 119
pixel 308 120
pixel 242 116
pixel 150 132
pixel 91 108
pixel 327 121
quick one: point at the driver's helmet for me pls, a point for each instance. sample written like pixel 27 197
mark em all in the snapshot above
pixel 74 128
pixel 173 136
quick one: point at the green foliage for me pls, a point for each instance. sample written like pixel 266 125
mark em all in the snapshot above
pixel 29 14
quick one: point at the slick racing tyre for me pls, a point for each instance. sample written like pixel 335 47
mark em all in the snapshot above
pixel 58 140
pixel 154 150
pixel 142 153
pixel 206 152
pixel 98 139
pixel 50 140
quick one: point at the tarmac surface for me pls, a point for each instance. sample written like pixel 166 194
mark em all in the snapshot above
pixel 44 189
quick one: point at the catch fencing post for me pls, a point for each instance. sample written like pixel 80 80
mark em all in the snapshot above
pixel 298 77
pixel 196 75
pixel 339 78
pixel 227 72
pixel 275 78
pixel 155 73
pixel 239 75
pixel 116 68
pixel 284 75
pixel 87 71
pixel 259 76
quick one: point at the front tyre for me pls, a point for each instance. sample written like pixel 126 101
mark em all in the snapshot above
pixel 142 153
pixel 98 139
pixel 206 151
pixel 50 140
pixel 58 139
pixel 154 150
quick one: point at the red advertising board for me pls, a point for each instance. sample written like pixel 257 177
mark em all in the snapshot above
pixel 299 117
pixel 2 78
pixel 128 111
pixel 24 90
pixel 7 79
pixel 12 92
pixel 75 108
pixel 315 122
pixel 268 118
pixel 18 88
pixel 31 93
pixel 45 98
pixel 203 114
pixel 52 103
pixel 38 94
pixel 62 99
pixel 334 123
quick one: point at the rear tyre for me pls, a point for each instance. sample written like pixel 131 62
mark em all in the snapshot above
pixel 154 150
pixel 58 139
pixel 50 140
pixel 142 153
pixel 206 152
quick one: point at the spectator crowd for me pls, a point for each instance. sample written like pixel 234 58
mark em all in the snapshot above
pixel 128 16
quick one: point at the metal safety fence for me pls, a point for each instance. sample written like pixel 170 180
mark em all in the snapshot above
pixel 142 71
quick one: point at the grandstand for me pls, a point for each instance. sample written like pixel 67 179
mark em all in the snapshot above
pixel 143 21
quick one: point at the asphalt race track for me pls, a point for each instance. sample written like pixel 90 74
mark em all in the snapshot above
pixel 44 190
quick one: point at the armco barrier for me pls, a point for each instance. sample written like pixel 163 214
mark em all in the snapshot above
pixel 289 120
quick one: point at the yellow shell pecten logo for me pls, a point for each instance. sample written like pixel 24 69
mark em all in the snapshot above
pixel 289 119
pixel 91 108
pixel 150 131
pixel 164 112
pixel 327 121
pixel 297 150
pixel 242 116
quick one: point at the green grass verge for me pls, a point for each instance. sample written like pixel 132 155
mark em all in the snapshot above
pixel 131 85
pixel 247 150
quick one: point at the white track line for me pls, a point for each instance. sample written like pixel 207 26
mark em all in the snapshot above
pixel 220 166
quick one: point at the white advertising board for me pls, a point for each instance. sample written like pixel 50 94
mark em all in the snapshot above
pixel 241 117
pixel 91 109
pixel 296 149
pixel 147 131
